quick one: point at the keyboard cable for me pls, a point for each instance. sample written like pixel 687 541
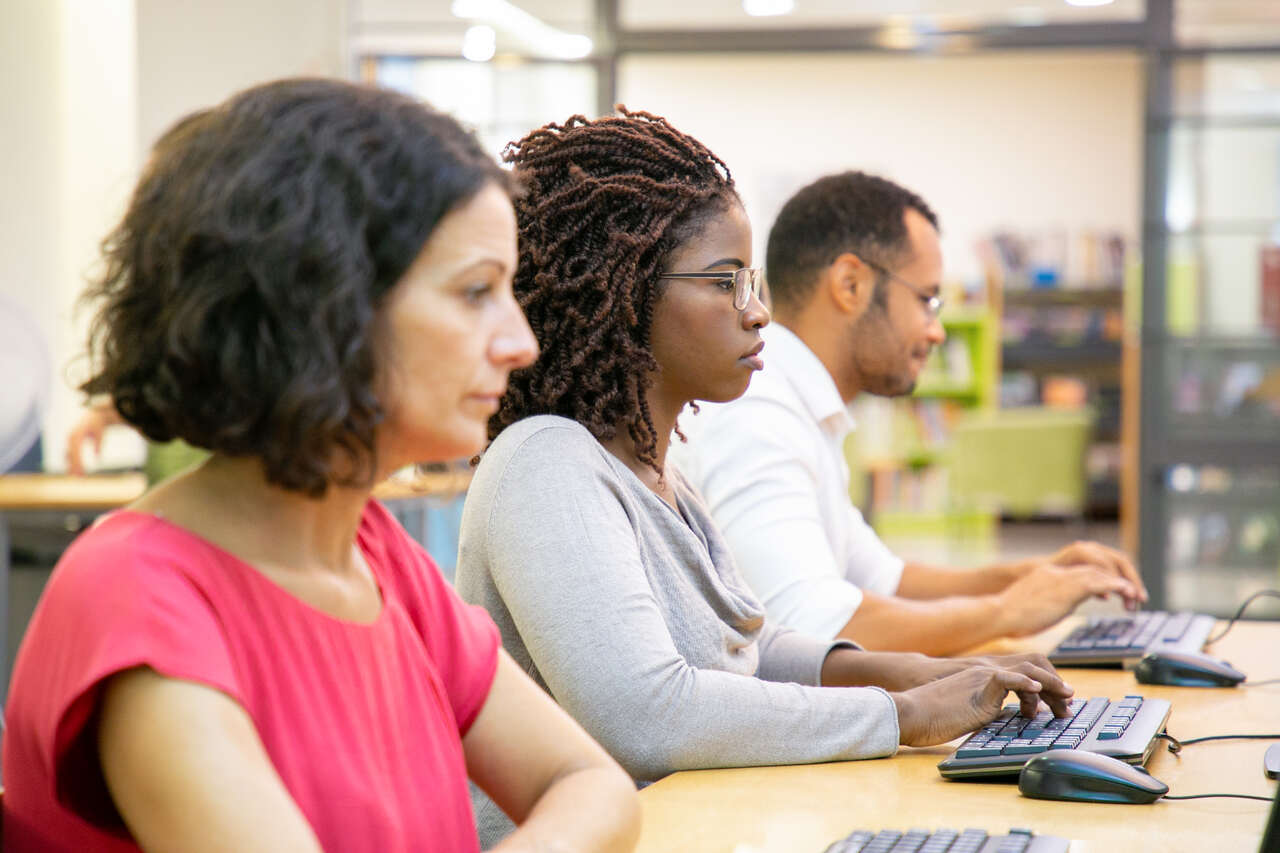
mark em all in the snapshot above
pixel 1175 745
pixel 1240 612
pixel 1204 796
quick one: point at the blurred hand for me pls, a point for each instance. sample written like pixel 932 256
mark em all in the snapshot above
pixel 1047 592
pixel 936 712
pixel 1106 559
pixel 92 424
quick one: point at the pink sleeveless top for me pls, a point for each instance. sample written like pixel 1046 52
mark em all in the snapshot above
pixel 362 722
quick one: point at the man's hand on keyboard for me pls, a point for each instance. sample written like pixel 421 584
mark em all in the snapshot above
pixel 1099 556
pixel 949 707
pixel 1047 592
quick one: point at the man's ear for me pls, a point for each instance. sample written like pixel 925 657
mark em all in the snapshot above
pixel 849 284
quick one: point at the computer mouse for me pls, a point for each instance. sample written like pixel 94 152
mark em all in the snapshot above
pixel 1271 761
pixel 1186 669
pixel 1076 774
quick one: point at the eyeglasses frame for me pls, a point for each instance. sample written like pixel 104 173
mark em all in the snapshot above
pixel 932 302
pixel 755 282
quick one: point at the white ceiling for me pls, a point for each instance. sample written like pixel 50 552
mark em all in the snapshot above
pixel 1213 21
pixel 728 14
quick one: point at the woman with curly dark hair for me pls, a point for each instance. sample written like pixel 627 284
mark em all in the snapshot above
pixel 601 566
pixel 312 282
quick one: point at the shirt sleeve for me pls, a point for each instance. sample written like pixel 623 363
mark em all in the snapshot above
pixel 563 556
pixel 461 638
pixel 112 604
pixel 868 561
pixel 787 655
pixel 762 486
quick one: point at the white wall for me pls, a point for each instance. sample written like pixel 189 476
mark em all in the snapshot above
pixel 194 53
pixel 1030 141
pixel 86 86
pixel 68 106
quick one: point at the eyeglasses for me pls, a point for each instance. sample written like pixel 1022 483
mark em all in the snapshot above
pixel 932 302
pixel 744 283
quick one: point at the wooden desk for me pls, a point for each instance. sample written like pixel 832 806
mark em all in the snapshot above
pixel 100 492
pixel 96 493
pixel 798 809
pixel 62 492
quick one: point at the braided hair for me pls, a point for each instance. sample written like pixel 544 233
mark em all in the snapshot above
pixel 605 203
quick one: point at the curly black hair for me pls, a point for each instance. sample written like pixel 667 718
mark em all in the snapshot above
pixel 847 212
pixel 603 203
pixel 241 290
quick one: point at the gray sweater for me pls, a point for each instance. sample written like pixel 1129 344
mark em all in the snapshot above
pixel 634 618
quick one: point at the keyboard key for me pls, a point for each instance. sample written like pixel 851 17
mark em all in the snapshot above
pixel 1026 748
pixel 911 842
pixel 1014 842
pixel 940 841
pixel 977 751
pixel 853 844
pixel 883 842
pixel 1110 733
pixel 1176 627
pixel 970 841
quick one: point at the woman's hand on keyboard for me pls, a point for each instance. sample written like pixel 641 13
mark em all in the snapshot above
pixel 936 712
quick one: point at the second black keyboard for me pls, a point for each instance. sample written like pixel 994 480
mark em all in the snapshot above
pixel 1113 640
pixel 1124 728
pixel 948 841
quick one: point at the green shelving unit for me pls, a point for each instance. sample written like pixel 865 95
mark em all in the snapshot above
pixel 902 484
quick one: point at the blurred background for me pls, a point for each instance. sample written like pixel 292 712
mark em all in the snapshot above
pixel 1107 176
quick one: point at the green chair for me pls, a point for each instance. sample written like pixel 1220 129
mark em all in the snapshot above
pixel 1020 462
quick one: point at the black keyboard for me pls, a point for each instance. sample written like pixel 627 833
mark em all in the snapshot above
pixel 948 841
pixel 1125 729
pixel 1114 640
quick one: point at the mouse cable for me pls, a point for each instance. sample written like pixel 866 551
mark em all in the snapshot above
pixel 1247 683
pixel 1175 745
pixel 1202 796
pixel 1240 612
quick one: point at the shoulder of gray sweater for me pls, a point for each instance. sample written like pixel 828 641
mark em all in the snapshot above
pixel 538 449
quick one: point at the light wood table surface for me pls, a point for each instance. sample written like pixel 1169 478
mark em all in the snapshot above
pixel 28 492
pixel 33 492
pixel 802 809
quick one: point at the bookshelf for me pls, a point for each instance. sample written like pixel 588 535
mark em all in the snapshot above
pixel 899 454
pixel 1061 345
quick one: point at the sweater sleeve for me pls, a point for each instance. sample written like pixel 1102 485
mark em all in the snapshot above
pixel 563 556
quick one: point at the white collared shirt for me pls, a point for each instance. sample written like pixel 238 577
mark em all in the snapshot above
pixel 771 468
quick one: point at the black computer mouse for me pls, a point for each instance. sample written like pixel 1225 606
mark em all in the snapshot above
pixel 1186 669
pixel 1075 774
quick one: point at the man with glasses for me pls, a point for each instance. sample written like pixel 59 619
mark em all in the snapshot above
pixel 854 268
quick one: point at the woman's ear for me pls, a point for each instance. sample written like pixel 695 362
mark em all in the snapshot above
pixel 848 283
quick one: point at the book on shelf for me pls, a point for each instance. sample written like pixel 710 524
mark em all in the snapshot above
pixel 1057 258
pixel 1269 294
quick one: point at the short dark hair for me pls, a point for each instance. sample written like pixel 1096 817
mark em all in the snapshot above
pixel 605 202
pixel 848 212
pixel 241 290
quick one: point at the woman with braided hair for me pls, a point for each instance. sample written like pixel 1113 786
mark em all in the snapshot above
pixel 599 563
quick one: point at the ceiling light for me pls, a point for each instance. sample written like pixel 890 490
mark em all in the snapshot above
pixel 1089 2
pixel 538 37
pixel 479 44
pixel 767 8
